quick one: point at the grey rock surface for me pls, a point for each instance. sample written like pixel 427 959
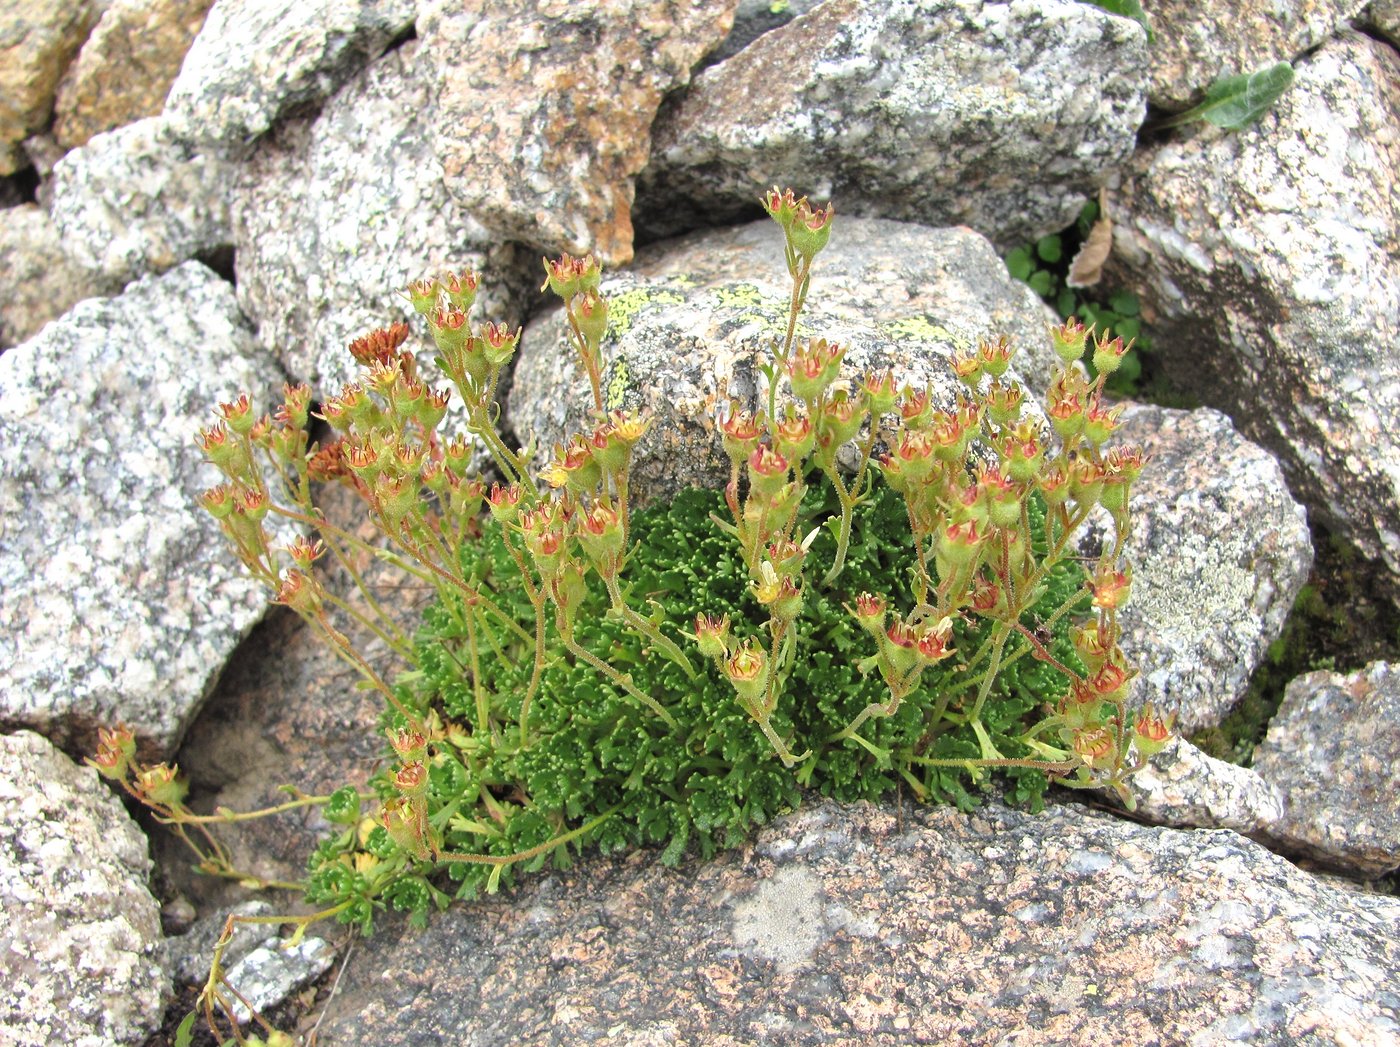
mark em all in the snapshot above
pixel 334 215
pixel 126 67
pixel 1219 551
pixel 868 925
pixel 998 116
pixel 694 317
pixel 119 600
pixel 189 954
pixel 1333 752
pixel 80 959
pixel 753 18
pixel 1267 259
pixel 1196 41
pixel 135 201
pixel 1183 787
pixel 38 281
pixel 255 60
pixel 542 141
pixel 37 41
pixel 1384 16
pixel 270 973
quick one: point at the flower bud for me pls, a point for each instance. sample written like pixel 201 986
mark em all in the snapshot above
pixel 1095 746
pixel 423 296
pixel 160 784
pixel 996 356
pixel 879 393
pixel 504 503
pixel 1111 589
pixel 411 780
pixel 461 289
pixel 116 752
pixel 738 433
pixel 747 670
pixel 1108 354
pixel 810 229
pixel 712 635
pixel 1068 340
pixel 1151 732
pixel 568 588
pixel 869 613
pixel 768 471
pixel 794 437
pixel 591 314
pixel 600 534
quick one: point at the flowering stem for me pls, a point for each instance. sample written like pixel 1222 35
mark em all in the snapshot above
pixel 658 639
pixel 623 681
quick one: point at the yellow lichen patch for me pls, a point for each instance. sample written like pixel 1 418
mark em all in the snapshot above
pixel 624 305
pixel 917 328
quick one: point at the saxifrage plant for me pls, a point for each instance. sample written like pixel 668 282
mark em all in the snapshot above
pixel 914 623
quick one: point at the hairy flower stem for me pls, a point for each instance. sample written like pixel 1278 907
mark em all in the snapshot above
pixel 623 681
pixel 657 638
pixel 999 634
pixel 342 645
pixel 522 856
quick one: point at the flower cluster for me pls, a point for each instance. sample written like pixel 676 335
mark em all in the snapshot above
pixel 549 702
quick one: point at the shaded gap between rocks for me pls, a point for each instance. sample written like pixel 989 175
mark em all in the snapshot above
pixel 1341 621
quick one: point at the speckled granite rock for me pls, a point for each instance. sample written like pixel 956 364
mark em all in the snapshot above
pixel 38 281
pixel 1184 787
pixel 1267 260
pixel 119 600
pixel 125 69
pixel 37 41
pixel 695 315
pixel 188 954
pixel 335 214
pixel 946 112
pixel 1333 752
pixel 134 201
pixel 256 60
pixel 863 925
pixel 271 973
pixel 1384 15
pixel 542 141
pixel 1194 42
pixel 1219 552
pixel 753 18
pixel 80 960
